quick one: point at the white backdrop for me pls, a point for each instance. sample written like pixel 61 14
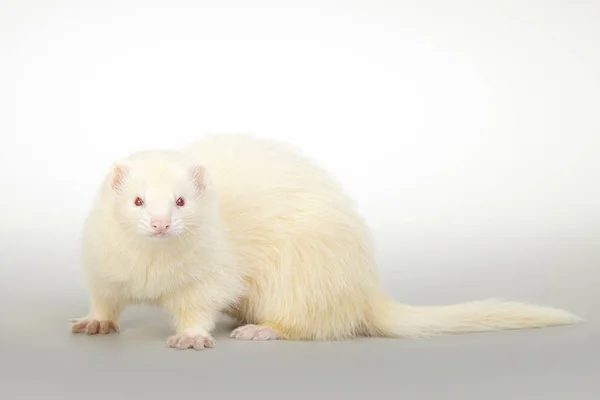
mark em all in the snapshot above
pixel 467 131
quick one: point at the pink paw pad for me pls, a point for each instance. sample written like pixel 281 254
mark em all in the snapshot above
pixel 254 332
pixel 93 327
pixel 196 342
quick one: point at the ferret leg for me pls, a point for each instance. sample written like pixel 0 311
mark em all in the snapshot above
pixel 193 325
pixel 102 318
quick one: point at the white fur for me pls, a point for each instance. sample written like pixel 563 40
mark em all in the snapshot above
pixel 265 236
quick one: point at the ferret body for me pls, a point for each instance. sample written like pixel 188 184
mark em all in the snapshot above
pixel 252 228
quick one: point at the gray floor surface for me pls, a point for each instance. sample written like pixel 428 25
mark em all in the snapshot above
pixel 40 359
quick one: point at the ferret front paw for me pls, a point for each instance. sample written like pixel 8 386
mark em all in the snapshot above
pixel 94 326
pixel 188 341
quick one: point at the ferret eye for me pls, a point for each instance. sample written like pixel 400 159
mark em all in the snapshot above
pixel 180 202
pixel 139 202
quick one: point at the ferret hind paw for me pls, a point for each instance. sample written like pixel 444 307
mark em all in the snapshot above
pixel 254 332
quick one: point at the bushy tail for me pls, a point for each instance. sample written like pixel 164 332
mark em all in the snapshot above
pixel 393 319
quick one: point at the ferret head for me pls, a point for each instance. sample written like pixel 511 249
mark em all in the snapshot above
pixel 159 195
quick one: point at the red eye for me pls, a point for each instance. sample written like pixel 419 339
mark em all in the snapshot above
pixel 180 202
pixel 139 202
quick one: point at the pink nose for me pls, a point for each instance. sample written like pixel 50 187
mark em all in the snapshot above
pixel 160 225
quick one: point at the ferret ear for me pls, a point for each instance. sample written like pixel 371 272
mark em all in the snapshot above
pixel 198 174
pixel 119 173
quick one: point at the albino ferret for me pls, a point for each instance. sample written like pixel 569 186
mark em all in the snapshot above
pixel 251 228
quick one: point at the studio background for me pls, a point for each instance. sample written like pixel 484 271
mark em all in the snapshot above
pixel 468 133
